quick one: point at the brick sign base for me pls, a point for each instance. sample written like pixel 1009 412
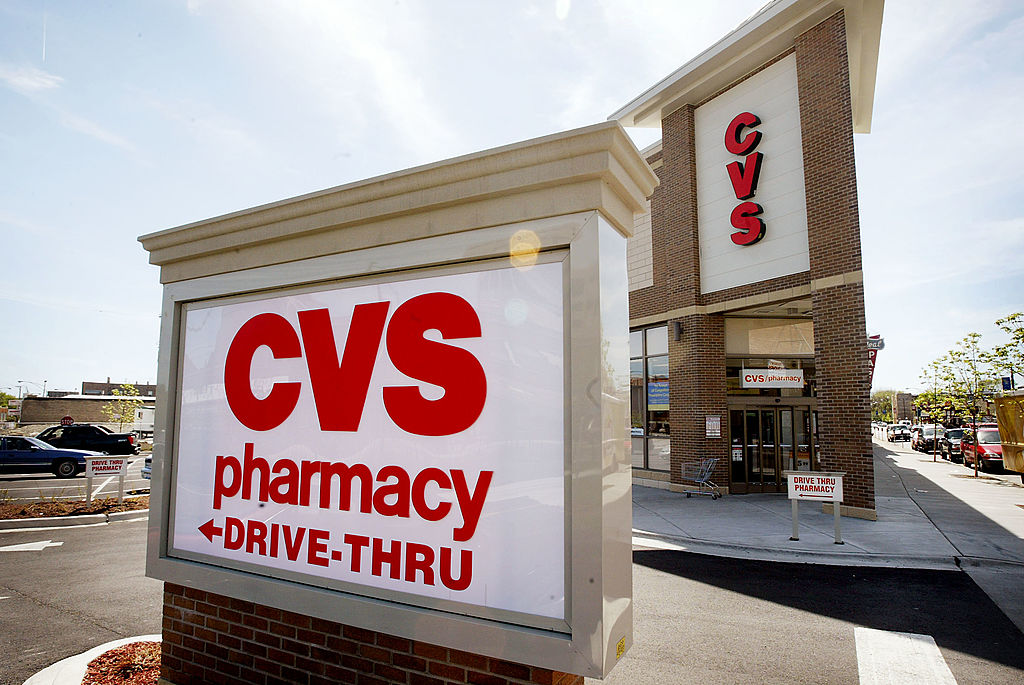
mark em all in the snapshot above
pixel 215 639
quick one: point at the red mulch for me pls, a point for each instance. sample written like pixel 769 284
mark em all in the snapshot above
pixel 136 663
pixel 19 510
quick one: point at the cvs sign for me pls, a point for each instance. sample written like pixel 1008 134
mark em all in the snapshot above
pixel 744 176
pixel 340 387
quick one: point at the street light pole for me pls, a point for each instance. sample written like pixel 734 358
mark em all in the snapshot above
pixel 974 432
pixel 935 418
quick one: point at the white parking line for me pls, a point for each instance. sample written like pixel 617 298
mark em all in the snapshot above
pixel 890 658
pixel 36 546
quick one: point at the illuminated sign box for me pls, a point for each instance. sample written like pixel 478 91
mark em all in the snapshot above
pixel 422 431
pixel 772 378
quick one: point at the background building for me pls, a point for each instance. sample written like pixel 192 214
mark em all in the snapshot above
pixel 92 388
pixel 748 338
pixel 903 407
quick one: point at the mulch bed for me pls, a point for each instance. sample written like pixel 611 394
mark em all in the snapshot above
pixel 109 505
pixel 136 663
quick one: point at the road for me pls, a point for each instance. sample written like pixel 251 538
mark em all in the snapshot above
pixel 701 619
pixel 45 486
pixel 698 619
pixel 87 589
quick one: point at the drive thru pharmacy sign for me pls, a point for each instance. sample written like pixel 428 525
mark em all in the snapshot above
pixel 825 487
pixel 404 436
pixel 105 466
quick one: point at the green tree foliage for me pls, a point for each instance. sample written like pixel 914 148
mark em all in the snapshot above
pixel 1008 359
pixel 881 405
pixel 4 398
pixel 123 409
pixel 940 397
pixel 966 377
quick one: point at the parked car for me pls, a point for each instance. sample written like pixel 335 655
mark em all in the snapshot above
pixel 147 468
pixel 87 436
pixel 923 439
pixel 949 444
pixel 898 432
pixel 982 446
pixel 28 455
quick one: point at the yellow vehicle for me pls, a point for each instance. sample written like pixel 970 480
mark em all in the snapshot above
pixel 1010 415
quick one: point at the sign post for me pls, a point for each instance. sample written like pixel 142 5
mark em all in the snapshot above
pixel 820 486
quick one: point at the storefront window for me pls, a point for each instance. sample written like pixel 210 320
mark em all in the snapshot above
pixel 649 398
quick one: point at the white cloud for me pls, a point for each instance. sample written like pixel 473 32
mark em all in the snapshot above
pixel 358 62
pixel 31 81
pixel 27 80
pixel 94 130
pixel 562 8
pixel 219 133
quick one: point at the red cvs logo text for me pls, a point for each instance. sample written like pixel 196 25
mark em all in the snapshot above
pixel 340 387
pixel 744 176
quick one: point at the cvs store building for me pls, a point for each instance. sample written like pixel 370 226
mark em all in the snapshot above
pixel 746 300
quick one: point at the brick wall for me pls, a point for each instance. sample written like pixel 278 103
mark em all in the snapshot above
pixel 833 227
pixel 211 638
pixel 639 255
pixel 696 390
pixel 50 410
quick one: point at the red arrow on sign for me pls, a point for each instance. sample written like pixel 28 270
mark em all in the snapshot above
pixel 210 531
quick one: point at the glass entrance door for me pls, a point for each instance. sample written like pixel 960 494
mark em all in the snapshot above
pixel 764 443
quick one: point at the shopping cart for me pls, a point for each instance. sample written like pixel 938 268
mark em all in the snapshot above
pixel 700 475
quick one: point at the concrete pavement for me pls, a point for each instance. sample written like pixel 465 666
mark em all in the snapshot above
pixel 931 514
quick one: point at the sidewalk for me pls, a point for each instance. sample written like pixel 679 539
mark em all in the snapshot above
pixel 932 515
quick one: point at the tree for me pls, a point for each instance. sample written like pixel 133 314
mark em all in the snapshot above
pixel 4 398
pixel 123 409
pixel 933 403
pixel 881 405
pixel 1009 358
pixel 968 376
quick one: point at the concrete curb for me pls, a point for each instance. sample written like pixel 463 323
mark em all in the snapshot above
pixel 71 671
pixel 1007 565
pixel 64 521
pixel 722 549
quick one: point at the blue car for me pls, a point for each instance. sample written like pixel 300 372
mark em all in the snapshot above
pixel 28 455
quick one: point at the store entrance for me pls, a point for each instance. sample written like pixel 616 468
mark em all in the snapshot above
pixel 765 441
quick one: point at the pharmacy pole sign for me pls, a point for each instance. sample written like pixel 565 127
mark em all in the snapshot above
pixel 105 466
pixel 825 487
pixel 401 405
pixel 819 486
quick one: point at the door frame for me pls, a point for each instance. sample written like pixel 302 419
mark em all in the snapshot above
pixel 780 405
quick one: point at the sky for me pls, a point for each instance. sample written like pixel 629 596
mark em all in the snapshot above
pixel 122 118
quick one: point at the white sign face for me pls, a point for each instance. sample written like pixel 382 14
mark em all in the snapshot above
pixel 404 436
pixel 762 114
pixel 106 466
pixel 818 487
pixel 771 378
